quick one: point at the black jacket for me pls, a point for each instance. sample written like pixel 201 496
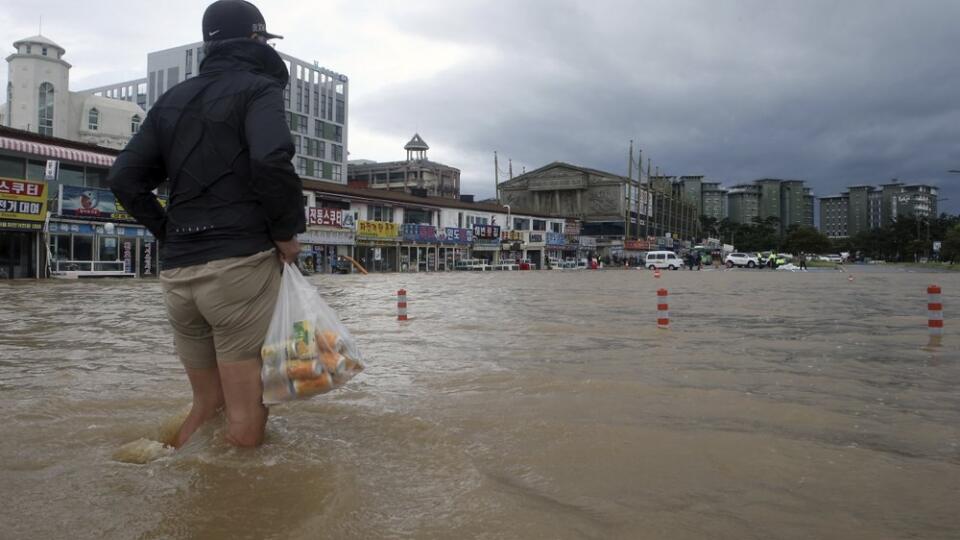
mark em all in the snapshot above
pixel 222 140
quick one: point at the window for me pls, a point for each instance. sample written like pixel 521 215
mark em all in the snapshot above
pixel 43 51
pixel 296 144
pixel 45 110
pixel 341 111
pixel 338 133
pixel 521 224
pixel 199 57
pixel 301 166
pixel 555 227
pixel 9 103
pixel 380 213
pixel 323 106
pixel 189 63
pixel 321 150
pixel 316 101
pixel 299 94
pixel 539 225
pixel 93 119
pixel 28 49
pixel 338 173
pixel 135 123
pixel 337 152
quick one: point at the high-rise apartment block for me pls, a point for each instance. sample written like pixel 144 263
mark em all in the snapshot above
pixel 863 207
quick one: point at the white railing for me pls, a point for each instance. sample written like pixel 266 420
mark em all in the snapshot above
pixel 59 266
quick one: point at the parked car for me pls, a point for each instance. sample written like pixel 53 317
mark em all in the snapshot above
pixel 741 260
pixel 662 259
pixel 833 257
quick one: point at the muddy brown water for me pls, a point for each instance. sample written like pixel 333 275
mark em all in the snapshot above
pixel 511 405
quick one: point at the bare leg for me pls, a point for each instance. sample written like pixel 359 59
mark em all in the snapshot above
pixel 207 401
pixel 243 392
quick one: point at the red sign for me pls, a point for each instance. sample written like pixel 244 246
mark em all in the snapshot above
pixel 329 217
pixel 637 245
pixel 16 187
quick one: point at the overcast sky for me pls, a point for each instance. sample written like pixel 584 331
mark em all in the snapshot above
pixel 832 92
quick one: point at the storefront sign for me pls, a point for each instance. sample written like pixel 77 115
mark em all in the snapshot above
pixel 572 228
pixel 378 229
pixel 148 251
pixel 22 200
pixel 536 238
pixel 511 236
pixel 486 232
pixel 555 239
pixel 21 225
pixel 328 217
pixel 128 256
pixel 637 245
pixel 415 232
pixel 329 238
pixel 93 203
pixel 456 235
pixel 588 241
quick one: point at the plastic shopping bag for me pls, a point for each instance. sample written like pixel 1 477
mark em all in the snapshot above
pixel 307 351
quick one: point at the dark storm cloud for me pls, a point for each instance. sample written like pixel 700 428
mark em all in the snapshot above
pixel 835 93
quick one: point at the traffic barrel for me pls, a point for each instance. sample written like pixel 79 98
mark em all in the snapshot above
pixel 934 311
pixel 663 309
pixel 402 305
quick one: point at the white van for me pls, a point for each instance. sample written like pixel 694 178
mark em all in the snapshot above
pixel 663 259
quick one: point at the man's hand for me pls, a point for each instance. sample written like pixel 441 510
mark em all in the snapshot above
pixel 288 250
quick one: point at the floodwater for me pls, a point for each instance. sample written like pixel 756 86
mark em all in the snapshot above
pixel 511 405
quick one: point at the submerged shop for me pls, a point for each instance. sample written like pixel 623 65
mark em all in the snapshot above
pixel 555 245
pixel 486 243
pixel 378 245
pixel 23 210
pixel 454 246
pixel 92 235
pixel 329 235
pixel 420 248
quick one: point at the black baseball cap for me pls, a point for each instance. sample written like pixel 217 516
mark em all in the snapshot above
pixel 228 19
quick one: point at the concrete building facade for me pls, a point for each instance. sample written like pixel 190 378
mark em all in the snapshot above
pixel 863 207
pixel 743 203
pixel 415 173
pixel 39 100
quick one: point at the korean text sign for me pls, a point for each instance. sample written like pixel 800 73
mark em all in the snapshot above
pixel 23 200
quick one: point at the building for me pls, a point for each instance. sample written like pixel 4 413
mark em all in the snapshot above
pixel 743 203
pixel 675 213
pixel 610 208
pixel 415 173
pixel 134 91
pixel 809 203
pixel 315 102
pixel 62 184
pixel 833 215
pixel 39 100
pixel 714 200
pixel 692 189
pixel 864 207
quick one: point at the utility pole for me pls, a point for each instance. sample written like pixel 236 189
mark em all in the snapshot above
pixel 637 198
pixel 649 205
pixel 510 162
pixel 496 175
pixel 627 187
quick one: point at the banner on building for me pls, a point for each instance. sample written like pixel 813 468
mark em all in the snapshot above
pixel 93 203
pixel 486 232
pixel 556 239
pixel 637 245
pixel 148 258
pixel 456 235
pixel 572 228
pixel 536 238
pixel 415 232
pixel 588 241
pixel 378 229
pixel 22 200
pixel 512 236
pixel 327 217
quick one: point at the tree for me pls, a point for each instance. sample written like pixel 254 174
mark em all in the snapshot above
pixel 806 240
pixel 950 250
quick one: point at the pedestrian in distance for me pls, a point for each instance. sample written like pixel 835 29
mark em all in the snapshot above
pixel 221 140
pixel 803 261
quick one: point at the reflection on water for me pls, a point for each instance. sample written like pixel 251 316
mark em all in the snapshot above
pixel 515 405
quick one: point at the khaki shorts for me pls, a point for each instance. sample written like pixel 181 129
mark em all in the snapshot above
pixel 220 311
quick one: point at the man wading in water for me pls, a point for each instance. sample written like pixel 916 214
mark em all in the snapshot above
pixel 235 203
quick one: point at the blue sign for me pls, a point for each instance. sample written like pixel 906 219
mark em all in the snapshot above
pixel 415 232
pixel 455 235
pixel 555 239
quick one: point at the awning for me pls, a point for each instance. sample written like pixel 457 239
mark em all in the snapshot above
pixel 56 152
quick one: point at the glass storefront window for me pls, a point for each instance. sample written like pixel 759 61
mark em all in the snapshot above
pixel 71 175
pixel 82 248
pixel 109 248
pixel 11 167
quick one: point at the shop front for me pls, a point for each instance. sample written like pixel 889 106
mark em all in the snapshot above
pixel 420 249
pixel 92 235
pixel 486 243
pixel 536 248
pixel 378 246
pixel 23 210
pixel 512 246
pixel 329 235
pixel 555 245
pixel 454 247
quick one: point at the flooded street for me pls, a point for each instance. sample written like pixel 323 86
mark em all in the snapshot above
pixel 511 405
